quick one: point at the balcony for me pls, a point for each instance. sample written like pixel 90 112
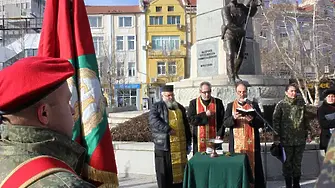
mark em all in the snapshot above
pixel 165 54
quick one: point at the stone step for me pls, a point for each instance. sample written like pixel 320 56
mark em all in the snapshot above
pixel 129 115
pixel 120 117
pixel 114 120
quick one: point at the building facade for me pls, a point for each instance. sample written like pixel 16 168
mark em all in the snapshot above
pixel 290 27
pixel 22 8
pixel 118 34
pixel 166 44
pixel 20 17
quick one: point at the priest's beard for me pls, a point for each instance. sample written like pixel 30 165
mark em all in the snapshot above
pixel 171 104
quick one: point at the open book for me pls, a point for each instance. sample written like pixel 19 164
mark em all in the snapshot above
pixel 250 112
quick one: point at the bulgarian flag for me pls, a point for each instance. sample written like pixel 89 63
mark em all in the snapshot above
pixel 66 34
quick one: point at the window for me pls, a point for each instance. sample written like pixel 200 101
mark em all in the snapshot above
pixel 326 68
pixel 283 35
pixel 120 69
pixel 161 68
pixel 158 9
pixel 262 34
pixel 131 42
pixel 131 69
pixel 30 52
pixel 172 68
pixel 173 20
pixel 156 20
pixel 165 42
pixel 119 42
pixel 170 8
pixel 95 21
pixel 125 21
pixel 98 43
pixel 126 97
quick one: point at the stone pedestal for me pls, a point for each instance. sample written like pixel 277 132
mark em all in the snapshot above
pixel 208 54
pixel 208 62
pixel 264 89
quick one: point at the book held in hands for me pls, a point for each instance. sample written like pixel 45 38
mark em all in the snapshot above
pixel 330 117
pixel 244 112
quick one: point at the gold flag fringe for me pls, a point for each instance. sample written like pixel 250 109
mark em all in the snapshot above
pixel 109 179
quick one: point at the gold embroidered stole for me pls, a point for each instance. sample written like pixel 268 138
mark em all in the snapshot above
pixel 244 138
pixel 206 132
pixel 177 145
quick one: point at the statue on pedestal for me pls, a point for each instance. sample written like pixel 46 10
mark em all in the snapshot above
pixel 235 18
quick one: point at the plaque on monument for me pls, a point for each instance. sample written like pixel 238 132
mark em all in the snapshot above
pixel 207 59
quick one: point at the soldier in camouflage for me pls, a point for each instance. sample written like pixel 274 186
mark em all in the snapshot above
pixel 37 120
pixel 289 121
pixel 326 178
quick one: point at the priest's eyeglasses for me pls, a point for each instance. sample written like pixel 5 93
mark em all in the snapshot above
pixel 206 92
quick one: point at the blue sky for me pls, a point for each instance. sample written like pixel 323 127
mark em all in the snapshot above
pixel 111 2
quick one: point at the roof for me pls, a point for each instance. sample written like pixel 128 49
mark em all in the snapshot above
pixel 182 2
pixel 6 54
pixel 113 9
pixel 192 2
pixel 29 41
pixel 307 8
pixel 292 7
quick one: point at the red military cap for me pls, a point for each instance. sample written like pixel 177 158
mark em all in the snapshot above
pixel 29 80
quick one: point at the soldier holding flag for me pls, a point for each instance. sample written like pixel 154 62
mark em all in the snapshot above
pixel 36 130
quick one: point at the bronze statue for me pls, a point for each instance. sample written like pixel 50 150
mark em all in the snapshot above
pixel 235 17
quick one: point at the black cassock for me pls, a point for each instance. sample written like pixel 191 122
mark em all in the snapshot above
pixel 164 170
pixel 199 119
pixel 256 123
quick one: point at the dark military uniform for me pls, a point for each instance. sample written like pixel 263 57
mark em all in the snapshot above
pixel 290 122
pixel 20 143
pixel 326 178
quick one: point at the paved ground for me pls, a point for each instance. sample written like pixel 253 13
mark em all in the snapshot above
pixel 145 181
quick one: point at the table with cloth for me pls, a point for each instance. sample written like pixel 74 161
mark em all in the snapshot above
pixel 233 171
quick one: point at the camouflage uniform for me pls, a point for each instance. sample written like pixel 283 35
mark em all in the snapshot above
pixel 327 176
pixel 20 143
pixel 289 120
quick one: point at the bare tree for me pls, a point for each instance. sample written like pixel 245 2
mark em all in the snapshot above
pixel 111 69
pixel 303 40
pixel 271 65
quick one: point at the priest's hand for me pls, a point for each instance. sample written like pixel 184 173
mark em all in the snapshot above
pixel 209 113
pixel 249 118
pixel 237 115
pixel 218 137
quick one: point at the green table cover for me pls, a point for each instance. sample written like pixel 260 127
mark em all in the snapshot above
pixel 233 171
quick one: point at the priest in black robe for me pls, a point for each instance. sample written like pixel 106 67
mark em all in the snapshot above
pixel 206 114
pixel 172 138
pixel 243 132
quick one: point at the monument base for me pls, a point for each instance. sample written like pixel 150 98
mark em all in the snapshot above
pixel 266 90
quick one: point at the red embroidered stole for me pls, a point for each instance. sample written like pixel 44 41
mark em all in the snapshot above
pixel 244 138
pixel 34 169
pixel 206 132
